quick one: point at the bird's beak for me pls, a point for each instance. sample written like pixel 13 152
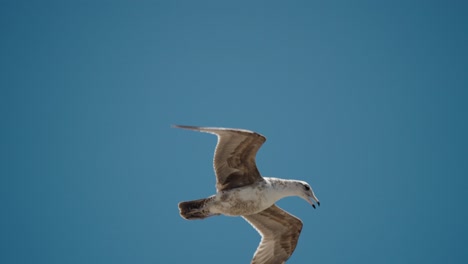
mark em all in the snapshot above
pixel 311 200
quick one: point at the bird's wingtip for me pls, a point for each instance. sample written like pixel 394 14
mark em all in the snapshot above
pixel 181 126
pixel 186 127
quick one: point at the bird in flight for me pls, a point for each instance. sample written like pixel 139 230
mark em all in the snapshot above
pixel 242 191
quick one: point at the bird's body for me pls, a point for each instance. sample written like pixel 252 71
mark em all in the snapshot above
pixel 250 199
pixel 242 191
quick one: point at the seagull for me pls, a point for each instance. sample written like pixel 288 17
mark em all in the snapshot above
pixel 242 191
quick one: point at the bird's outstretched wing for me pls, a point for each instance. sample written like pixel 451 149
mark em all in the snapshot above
pixel 234 158
pixel 280 232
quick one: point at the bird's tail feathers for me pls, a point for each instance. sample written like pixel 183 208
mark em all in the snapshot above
pixel 195 209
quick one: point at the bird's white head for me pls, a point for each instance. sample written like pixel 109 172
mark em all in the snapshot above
pixel 306 193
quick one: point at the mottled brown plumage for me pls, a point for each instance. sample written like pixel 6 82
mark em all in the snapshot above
pixel 280 232
pixel 234 158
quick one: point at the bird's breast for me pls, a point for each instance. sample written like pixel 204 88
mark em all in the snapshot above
pixel 241 201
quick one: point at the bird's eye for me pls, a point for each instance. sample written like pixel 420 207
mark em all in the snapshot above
pixel 306 187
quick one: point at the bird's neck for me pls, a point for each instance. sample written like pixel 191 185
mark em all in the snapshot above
pixel 283 188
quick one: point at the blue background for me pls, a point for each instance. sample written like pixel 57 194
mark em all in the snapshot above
pixel 365 100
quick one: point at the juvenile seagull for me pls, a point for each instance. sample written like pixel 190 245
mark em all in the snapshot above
pixel 242 191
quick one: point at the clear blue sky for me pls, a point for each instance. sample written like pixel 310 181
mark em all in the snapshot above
pixel 365 100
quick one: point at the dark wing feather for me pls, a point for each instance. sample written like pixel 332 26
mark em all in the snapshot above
pixel 280 232
pixel 234 158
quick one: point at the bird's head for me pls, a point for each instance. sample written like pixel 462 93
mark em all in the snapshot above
pixel 307 193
